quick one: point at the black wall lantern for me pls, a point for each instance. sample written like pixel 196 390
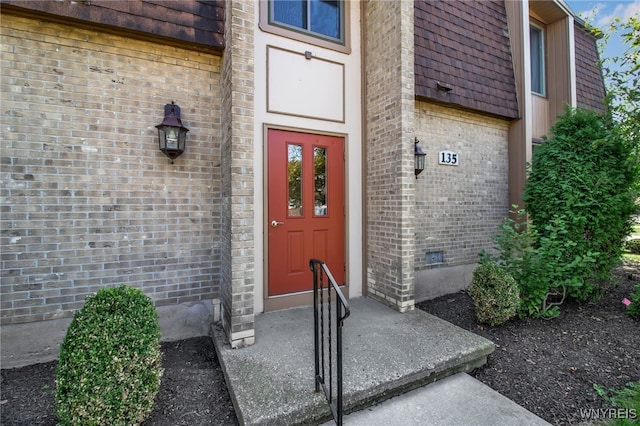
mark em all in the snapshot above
pixel 172 134
pixel 419 156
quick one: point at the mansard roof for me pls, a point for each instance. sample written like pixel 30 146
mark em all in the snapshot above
pixel 465 45
pixel 196 24
pixel 590 90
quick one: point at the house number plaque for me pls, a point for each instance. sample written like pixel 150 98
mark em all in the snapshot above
pixel 448 158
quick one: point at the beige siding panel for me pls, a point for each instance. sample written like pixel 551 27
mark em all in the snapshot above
pixel 519 151
pixel 558 68
pixel 540 116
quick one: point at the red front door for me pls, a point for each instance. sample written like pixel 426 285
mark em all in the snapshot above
pixel 305 208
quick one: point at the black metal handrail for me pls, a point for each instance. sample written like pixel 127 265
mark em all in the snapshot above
pixel 322 363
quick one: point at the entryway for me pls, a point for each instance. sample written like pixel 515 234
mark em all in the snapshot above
pixel 386 353
pixel 305 213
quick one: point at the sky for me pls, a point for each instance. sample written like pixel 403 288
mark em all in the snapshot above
pixel 600 13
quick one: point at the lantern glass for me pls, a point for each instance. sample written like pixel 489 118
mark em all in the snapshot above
pixel 419 156
pixel 172 137
pixel 420 162
pixel 172 140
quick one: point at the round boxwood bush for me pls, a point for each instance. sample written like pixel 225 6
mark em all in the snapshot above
pixel 110 362
pixel 495 294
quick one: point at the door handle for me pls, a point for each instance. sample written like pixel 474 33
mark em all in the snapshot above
pixel 275 223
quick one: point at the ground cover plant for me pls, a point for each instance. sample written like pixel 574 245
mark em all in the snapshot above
pixel 110 361
pixel 633 303
pixel 633 246
pixel 625 404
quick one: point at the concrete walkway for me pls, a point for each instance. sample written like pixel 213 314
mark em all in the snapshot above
pixel 385 354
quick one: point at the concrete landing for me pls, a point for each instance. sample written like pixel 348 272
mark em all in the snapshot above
pixel 386 353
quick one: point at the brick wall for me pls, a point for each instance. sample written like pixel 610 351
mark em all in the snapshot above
pixel 238 176
pixel 459 208
pixel 388 58
pixel 88 200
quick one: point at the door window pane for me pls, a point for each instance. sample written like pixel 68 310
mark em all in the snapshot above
pixel 294 172
pixel 320 181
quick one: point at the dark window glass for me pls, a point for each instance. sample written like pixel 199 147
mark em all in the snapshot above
pixel 325 18
pixel 536 40
pixel 321 18
pixel 290 12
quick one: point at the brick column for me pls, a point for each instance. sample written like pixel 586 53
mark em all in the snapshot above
pixel 238 248
pixel 390 181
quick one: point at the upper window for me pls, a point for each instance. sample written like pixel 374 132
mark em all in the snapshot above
pixel 319 22
pixel 318 17
pixel 536 39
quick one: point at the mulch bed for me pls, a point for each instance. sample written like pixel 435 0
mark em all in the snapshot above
pixel 547 366
pixel 192 391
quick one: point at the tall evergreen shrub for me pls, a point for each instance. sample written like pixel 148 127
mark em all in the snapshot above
pixel 583 180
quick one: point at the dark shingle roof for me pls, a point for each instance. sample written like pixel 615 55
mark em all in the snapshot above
pixel 589 82
pixel 197 24
pixel 465 44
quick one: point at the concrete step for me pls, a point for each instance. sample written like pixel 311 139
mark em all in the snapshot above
pixel 386 353
pixel 453 401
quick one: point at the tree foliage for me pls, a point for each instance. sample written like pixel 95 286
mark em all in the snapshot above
pixel 622 77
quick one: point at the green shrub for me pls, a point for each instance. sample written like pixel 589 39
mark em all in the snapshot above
pixel 584 176
pixel 110 362
pixel 554 270
pixel 581 201
pixel 544 265
pixel 581 194
pixel 632 246
pixel 513 244
pixel 633 310
pixel 495 294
